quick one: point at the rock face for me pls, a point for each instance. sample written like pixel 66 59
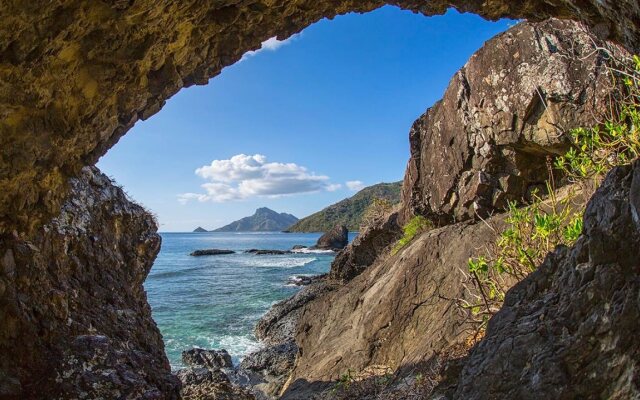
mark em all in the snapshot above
pixel 77 76
pixel 508 109
pixel 385 315
pixel 372 242
pixel 205 379
pixel 75 315
pixel 335 239
pixel 569 330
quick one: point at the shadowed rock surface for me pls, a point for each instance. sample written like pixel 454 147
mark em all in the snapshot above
pixel 214 359
pixel 75 315
pixel 372 242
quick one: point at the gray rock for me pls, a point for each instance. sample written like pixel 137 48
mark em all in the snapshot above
pixel 214 359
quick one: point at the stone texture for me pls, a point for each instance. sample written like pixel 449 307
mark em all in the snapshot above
pixel 372 242
pixel 76 322
pixel 508 109
pixel 214 359
pixel 75 75
pixel 569 330
pixel 397 312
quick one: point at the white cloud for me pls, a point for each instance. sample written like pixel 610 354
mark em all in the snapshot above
pixel 333 187
pixel 244 176
pixel 355 185
pixel 271 44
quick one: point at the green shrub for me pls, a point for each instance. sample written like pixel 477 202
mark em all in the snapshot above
pixel 415 226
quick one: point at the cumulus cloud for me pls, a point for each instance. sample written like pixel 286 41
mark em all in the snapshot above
pixel 271 44
pixel 355 185
pixel 244 176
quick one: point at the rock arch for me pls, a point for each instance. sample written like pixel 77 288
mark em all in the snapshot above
pixel 75 76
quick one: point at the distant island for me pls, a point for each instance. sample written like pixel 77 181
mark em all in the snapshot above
pixel 199 230
pixel 263 220
pixel 349 211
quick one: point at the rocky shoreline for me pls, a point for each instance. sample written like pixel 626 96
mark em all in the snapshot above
pixel 261 374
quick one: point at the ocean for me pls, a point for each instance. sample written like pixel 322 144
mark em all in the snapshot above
pixel 214 302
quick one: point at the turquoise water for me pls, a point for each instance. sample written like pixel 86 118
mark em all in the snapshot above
pixel 215 301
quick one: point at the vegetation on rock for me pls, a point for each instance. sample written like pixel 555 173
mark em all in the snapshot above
pixel 537 229
pixel 415 226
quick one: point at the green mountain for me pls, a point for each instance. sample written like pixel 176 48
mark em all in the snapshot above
pixel 349 211
pixel 264 220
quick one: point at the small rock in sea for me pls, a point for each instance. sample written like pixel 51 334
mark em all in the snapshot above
pixel 299 247
pixel 211 252
pixel 267 252
pixel 336 239
pixel 214 359
pixel 302 280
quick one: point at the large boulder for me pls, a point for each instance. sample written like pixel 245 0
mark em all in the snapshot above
pixel 509 109
pixel 335 239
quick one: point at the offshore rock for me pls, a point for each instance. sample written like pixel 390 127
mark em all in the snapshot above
pixel 487 142
pixel 335 239
pixel 211 252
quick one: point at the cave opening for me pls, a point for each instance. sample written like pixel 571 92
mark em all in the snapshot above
pixel 334 103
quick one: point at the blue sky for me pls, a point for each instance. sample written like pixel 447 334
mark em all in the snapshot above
pixel 315 117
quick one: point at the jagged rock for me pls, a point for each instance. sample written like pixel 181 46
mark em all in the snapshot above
pixel 336 239
pixel 76 321
pixel 508 109
pixel 267 252
pixel 201 375
pixel 372 242
pixel 570 329
pixel 211 252
pixel 214 359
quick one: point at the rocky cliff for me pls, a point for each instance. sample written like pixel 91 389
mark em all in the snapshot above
pixel 75 318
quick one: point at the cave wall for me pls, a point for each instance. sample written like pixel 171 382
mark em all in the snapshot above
pixel 76 75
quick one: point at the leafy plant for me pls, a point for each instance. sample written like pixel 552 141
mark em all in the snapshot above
pixel 415 226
